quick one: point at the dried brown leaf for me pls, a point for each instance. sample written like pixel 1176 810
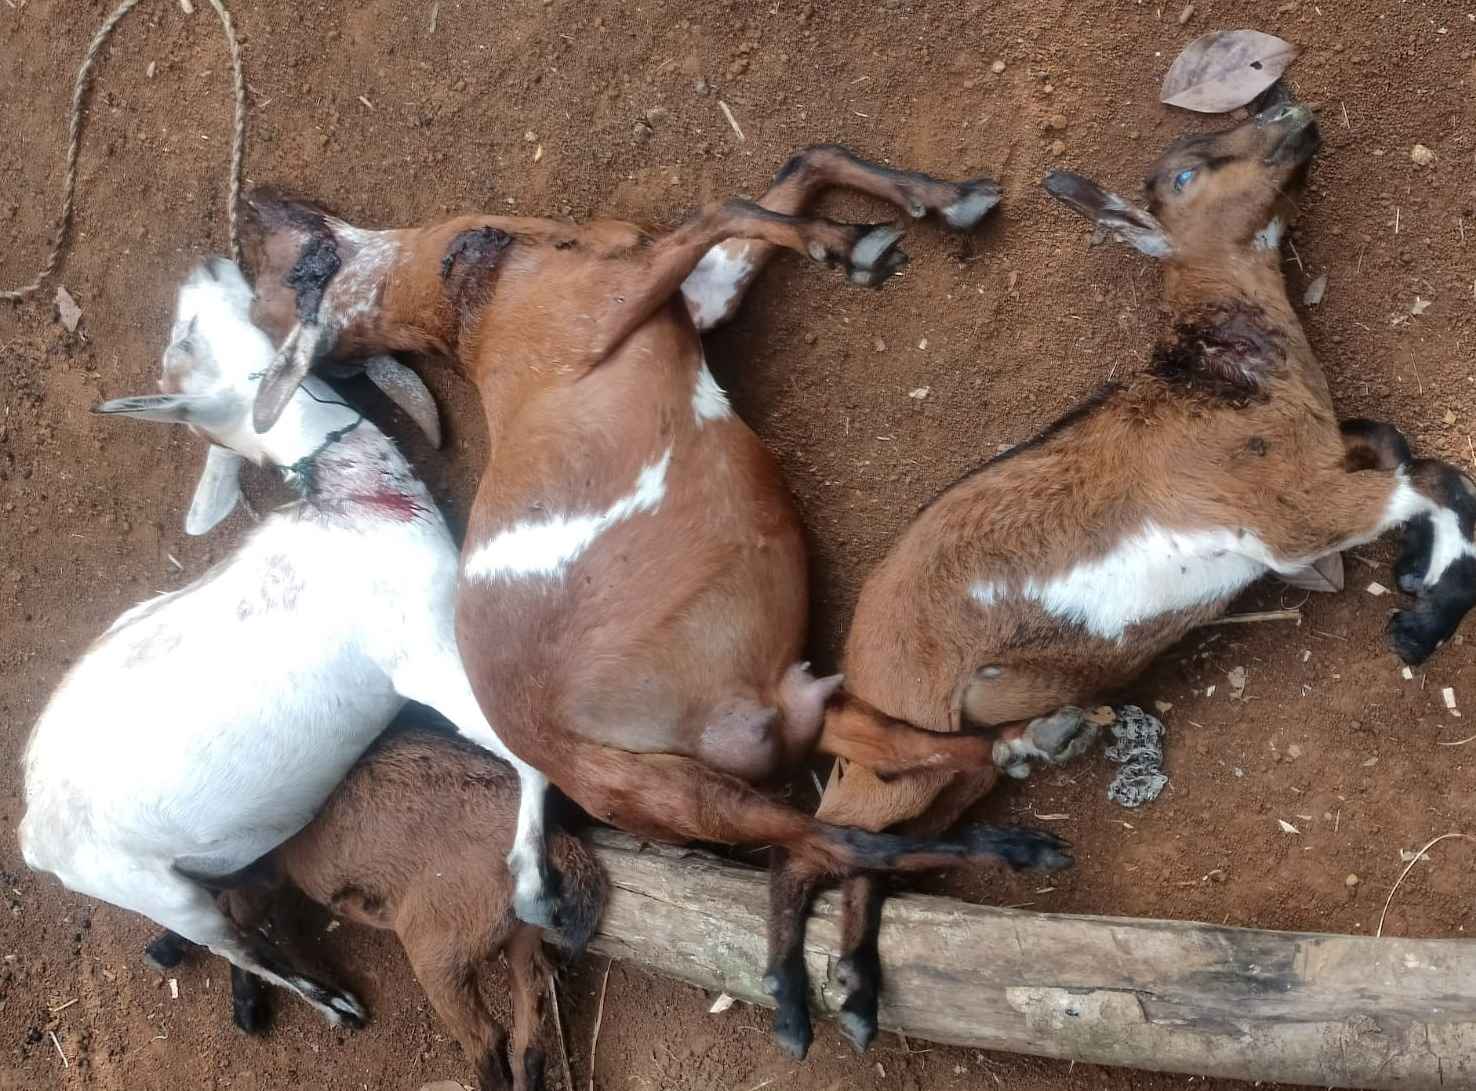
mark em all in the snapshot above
pixel 1225 69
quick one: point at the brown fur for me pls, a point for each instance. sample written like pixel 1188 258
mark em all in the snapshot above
pixel 649 679
pixel 414 840
pixel 1232 426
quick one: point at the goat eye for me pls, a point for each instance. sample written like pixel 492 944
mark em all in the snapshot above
pixel 1183 178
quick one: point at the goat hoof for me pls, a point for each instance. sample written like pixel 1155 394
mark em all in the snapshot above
pixel 1019 847
pixel 346 1011
pixel 250 1015
pixel 976 199
pixel 1411 638
pixel 875 256
pixel 165 951
pixel 1063 735
pixel 858 1027
pixel 792 1032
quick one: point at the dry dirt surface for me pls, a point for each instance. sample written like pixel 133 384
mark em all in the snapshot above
pixel 366 107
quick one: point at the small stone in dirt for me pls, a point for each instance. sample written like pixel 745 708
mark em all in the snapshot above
pixel 1055 123
pixel 1237 679
pixel 881 346
pixel 700 87
pixel 656 115
pixel 150 70
pixel 1058 148
pixel 67 310
pixel 1139 750
pixel 1294 751
pixel 1315 291
pixel 1351 881
pixel 529 137
pixel 811 338
pixel 187 7
pixel 1450 417
pixel 1422 155
pixel 997 67
pixel 641 132
pixel 1186 14
pixel 920 393
pixel 1218 875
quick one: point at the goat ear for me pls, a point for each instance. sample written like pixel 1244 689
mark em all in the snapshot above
pixel 217 492
pixel 200 409
pixel 285 374
pixel 1133 225
pixel 403 387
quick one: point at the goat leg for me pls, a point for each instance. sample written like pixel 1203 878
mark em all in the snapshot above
pixel 867 252
pixel 715 288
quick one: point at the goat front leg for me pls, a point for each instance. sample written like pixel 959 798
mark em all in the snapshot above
pixel 1433 502
pixel 867 252
pixel 443 686
pixel 714 290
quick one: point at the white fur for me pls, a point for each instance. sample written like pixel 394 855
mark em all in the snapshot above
pixel 1448 547
pixel 1152 572
pixel 1269 237
pixel 546 548
pixel 712 289
pixel 708 400
pixel 207 726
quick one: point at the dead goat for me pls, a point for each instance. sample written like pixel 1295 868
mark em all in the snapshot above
pixel 207 726
pixel 414 840
pixel 633 593
pixel 1057 571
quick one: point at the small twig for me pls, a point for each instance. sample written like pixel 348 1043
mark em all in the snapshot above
pixel 594 1041
pixel 1396 219
pixel 1254 616
pixel 59 1053
pixel 1417 857
pixel 1459 742
pixel 553 995
pixel 733 121
pixel 435 15
pixel 1297 257
pixel 1346 124
pixel 1471 450
pixel 69 1003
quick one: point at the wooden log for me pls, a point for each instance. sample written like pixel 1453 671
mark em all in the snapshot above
pixel 1335 1011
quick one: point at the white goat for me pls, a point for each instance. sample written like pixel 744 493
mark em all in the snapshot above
pixel 208 725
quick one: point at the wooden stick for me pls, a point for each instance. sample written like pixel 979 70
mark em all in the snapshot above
pixel 1254 616
pixel 1333 1011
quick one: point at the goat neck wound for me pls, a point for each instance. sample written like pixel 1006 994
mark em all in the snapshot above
pixel 1229 349
pixel 356 466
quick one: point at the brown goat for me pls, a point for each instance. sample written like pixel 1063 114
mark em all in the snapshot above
pixel 633 593
pixel 415 840
pixel 1056 572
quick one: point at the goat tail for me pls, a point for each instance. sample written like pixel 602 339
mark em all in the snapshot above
pixel 583 890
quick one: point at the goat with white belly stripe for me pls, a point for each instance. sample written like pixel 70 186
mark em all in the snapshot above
pixel 633 589
pixel 1059 570
pixel 206 726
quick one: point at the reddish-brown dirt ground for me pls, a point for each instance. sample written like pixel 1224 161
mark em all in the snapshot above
pixel 362 106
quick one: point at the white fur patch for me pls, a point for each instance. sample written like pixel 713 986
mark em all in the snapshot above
pixel 1269 237
pixel 711 288
pixel 1152 572
pixel 547 547
pixel 1405 503
pixel 708 400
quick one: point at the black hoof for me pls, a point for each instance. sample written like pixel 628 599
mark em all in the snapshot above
pixel 1019 847
pixel 976 200
pixel 792 1030
pixel 248 1002
pixel 858 1027
pixel 1411 637
pixel 166 950
pixel 875 256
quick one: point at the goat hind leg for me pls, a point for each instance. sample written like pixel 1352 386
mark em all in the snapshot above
pixel 531 976
pixel 715 288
